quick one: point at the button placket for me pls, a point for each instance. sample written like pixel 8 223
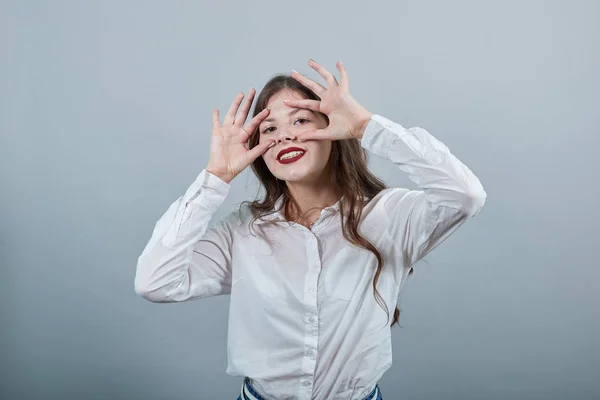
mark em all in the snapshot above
pixel 311 317
pixel 314 268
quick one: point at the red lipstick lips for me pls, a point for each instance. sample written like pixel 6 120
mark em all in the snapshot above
pixel 288 150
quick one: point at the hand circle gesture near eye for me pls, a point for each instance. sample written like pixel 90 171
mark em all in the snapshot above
pixel 347 118
pixel 229 153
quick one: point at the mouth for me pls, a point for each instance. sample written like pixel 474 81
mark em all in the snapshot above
pixel 291 157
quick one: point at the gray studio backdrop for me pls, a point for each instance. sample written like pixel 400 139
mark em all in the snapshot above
pixel 105 116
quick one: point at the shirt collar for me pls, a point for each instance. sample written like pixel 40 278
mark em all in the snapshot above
pixel 278 216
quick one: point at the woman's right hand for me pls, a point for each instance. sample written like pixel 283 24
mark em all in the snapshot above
pixel 229 153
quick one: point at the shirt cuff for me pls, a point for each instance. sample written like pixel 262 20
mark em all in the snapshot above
pixel 208 190
pixel 380 135
pixel 206 193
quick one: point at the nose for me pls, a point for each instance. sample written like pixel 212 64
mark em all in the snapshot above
pixel 283 135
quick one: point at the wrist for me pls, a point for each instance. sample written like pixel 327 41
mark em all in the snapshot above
pixel 224 177
pixel 361 124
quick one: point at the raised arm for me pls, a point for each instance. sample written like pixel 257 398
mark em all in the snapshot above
pixel 448 192
pixel 448 195
pixel 185 259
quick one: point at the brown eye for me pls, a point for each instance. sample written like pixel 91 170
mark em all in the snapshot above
pixel 303 119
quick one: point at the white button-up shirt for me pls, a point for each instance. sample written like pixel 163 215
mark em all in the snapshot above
pixel 303 321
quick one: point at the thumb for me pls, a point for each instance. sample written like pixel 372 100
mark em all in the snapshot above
pixel 260 149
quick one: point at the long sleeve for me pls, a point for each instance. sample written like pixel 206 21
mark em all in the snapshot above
pixel 184 258
pixel 448 195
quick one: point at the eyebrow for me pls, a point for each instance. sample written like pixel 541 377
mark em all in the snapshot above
pixel 294 111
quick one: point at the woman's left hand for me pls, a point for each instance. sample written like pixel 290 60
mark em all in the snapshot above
pixel 347 118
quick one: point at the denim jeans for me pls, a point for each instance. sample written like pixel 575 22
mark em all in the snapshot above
pixel 249 393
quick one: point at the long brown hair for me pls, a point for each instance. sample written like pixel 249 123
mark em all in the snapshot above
pixel 348 164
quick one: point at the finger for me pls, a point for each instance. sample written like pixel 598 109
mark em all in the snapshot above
pixel 328 76
pixel 216 122
pixel 252 126
pixel 309 104
pixel 312 85
pixel 319 134
pixel 343 74
pixel 243 113
pixel 230 116
pixel 255 122
pixel 260 149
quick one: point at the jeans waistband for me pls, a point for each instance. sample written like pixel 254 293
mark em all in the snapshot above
pixel 249 393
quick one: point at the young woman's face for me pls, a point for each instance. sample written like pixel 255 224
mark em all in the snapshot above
pixel 284 124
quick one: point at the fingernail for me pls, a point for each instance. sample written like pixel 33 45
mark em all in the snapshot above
pixel 295 71
pixel 284 100
pixel 272 144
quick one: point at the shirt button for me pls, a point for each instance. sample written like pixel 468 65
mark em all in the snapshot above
pixel 310 353
pixel 311 290
pixel 311 319
pixel 306 383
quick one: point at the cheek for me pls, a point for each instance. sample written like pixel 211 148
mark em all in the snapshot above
pixel 320 155
pixel 269 157
pixel 324 150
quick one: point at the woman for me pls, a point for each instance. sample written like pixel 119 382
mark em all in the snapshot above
pixel 309 316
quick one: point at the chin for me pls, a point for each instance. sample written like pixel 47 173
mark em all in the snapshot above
pixel 300 177
pixel 306 172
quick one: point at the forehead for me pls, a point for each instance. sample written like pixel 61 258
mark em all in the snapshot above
pixel 275 103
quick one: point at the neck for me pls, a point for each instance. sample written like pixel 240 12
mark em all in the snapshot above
pixel 311 199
